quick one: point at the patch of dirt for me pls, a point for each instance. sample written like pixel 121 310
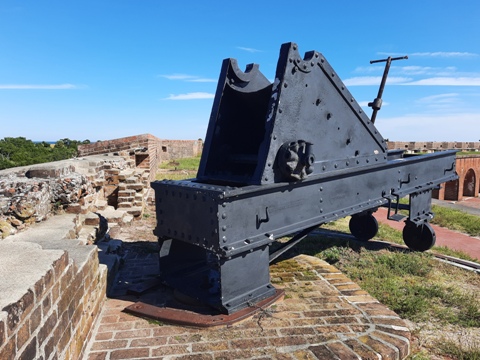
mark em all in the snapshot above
pixel 139 230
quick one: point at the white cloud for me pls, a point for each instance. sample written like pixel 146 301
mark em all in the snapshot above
pixel 37 87
pixel 190 96
pixel 441 98
pixel 445 54
pixel 251 50
pixel 432 127
pixel 446 81
pixel 374 80
pixel 187 78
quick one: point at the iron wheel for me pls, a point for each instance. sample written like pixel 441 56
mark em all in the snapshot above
pixel 363 226
pixel 418 237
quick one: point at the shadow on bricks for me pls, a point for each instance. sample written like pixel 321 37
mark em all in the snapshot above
pixel 324 315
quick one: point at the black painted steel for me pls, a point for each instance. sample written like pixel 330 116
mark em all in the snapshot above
pixel 377 102
pixel 280 158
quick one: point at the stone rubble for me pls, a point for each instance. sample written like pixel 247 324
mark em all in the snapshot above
pixel 80 186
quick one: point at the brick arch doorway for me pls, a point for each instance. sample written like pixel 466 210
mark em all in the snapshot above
pixel 469 183
pixel 451 190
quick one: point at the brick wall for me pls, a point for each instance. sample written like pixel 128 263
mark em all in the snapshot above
pixel 54 318
pixel 433 145
pixel 468 171
pixel 177 149
pixel 146 150
pixel 116 145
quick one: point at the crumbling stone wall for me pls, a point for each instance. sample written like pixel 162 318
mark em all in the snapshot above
pixel 147 151
pixel 32 194
pixel 142 149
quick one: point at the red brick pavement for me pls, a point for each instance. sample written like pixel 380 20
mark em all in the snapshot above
pixel 324 316
pixel 444 237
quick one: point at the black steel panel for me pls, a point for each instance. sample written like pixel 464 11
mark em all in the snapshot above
pixel 282 158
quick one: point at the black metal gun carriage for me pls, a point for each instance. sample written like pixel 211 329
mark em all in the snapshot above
pixel 284 158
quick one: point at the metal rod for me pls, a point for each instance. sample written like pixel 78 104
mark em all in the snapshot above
pixel 377 103
pixel 292 242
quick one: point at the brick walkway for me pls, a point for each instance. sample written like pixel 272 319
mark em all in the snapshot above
pixel 444 237
pixel 324 315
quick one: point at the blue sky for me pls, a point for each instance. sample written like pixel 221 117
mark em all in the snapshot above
pixel 105 69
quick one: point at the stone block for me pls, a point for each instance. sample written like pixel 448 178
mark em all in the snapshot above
pixel 112 180
pixel 135 186
pixel 101 204
pixel 127 220
pixel 135 211
pixel 74 209
pixel 126 193
pixel 92 219
pixel 125 205
pixel 131 180
pixel 113 216
pixel 125 174
pixel 112 171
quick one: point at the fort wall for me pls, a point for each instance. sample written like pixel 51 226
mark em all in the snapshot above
pixel 52 288
pixel 52 300
pixel 431 146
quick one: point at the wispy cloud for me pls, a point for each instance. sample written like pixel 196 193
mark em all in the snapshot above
pixel 187 78
pixel 443 54
pixel 374 80
pixel 408 81
pixel 251 50
pixel 37 87
pixel 446 81
pixel 190 96
pixel 441 102
pixel 440 98
pixel 447 54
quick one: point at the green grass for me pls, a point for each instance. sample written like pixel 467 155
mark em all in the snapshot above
pixel 468 153
pixel 389 234
pixel 190 163
pixel 179 169
pixel 458 349
pixel 414 285
pixel 411 284
pixel 456 220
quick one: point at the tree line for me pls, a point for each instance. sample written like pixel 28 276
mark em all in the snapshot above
pixel 21 152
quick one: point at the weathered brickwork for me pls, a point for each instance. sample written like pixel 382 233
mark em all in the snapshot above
pixel 29 195
pixel 467 167
pixel 177 149
pixel 145 150
pixel 468 183
pixel 142 149
pixel 426 146
pixel 54 319
pixel 324 315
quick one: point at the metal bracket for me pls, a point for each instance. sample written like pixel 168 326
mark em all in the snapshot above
pixel 396 216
